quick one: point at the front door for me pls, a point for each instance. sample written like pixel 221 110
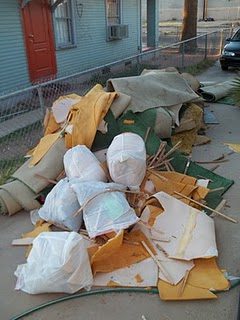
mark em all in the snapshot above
pixel 38 30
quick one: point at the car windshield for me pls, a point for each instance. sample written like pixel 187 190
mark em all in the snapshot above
pixel 236 36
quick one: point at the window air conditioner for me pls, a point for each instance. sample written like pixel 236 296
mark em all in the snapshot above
pixel 117 32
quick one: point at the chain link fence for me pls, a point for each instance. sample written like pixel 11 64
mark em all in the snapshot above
pixel 22 112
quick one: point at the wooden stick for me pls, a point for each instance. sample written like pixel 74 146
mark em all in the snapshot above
pixel 147 134
pixel 83 231
pixel 61 175
pixel 215 167
pixel 221 205
pixel 103 192
pixel 171 167
pixel 161 239
pixel 184 283
pixel 167 167
pixel 161 164
pixel 202 177
pixel 187 164
pixel 206 207
pixel 158 175
pixel 133 243
pixel 213 161
pixel 165 273
pixel 216 189
pixel 22 242
pixel 162 145
pixel 177 146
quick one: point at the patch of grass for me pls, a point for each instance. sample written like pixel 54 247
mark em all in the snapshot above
pixel 8 167
pixel 199 67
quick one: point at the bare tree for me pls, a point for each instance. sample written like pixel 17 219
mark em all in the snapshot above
pixel 189 27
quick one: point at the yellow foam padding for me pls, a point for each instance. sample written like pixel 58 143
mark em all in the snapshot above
pixel 170 186
pixel 126 121
pixel 41 226
pixel 113 284
pixel 187 138
pixel 86 115
pixel 44 227
pixel 138 278
pixel 30 152
pixel 122 256
pixel 207 275
pixel 109 247
pixel 179 177
pixel 154 213
pixel 42 148
pixel 51 126
pixel 200 193
pixel 170 292
pixel 203 278
pixel 177 182
pixel 233 146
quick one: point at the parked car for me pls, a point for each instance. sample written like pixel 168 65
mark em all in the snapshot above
pixel 231 52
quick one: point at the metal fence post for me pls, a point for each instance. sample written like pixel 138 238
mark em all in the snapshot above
pixel 183 54
pixel 206 47
pixel 41 100
pixel 221 42
pixel 138 65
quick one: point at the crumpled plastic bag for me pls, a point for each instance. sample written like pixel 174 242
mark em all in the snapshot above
pixel 103 211
pixel 60 207
pixel 80 162
pixel 126 159
pixel 58 262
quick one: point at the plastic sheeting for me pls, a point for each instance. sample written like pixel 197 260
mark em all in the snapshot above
pixel 126 159
pixel 58 262
pixel 105 210
pixel 60 207
pixel 80 162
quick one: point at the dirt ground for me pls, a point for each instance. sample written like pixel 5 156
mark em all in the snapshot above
pixel 133 306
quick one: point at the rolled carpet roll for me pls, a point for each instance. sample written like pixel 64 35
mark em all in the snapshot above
pixel 21 193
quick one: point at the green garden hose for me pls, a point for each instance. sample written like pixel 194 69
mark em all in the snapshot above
pixel 84 294
pixel 93 293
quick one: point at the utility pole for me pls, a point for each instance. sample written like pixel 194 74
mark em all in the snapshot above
pixel 205 9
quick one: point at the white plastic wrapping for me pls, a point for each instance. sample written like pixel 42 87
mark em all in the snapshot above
pixel 80 162
pixel 60 207
pixel 103 212
pixel 126 158
pixel 58 262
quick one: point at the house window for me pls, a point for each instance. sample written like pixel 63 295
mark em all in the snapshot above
pixel 113 12
pixel 64 25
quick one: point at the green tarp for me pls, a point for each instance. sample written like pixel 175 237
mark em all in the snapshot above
pixel 141 123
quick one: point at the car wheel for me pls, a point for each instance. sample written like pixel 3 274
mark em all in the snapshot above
pixel 224 67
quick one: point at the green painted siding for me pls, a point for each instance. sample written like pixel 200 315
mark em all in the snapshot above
pixel 13 61
pixel 91 49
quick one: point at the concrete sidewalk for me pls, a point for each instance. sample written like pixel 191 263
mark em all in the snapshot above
pixel 133 306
